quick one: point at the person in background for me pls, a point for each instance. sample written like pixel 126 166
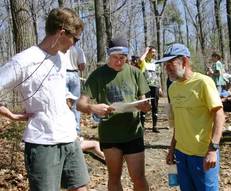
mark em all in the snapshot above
pixel 216 71
pixel 135 61
pixel 76 62
pixel 53 156
pixel 152 73
pixel 226 98
pixel 86 145
pixel 120 134
pixel 198 122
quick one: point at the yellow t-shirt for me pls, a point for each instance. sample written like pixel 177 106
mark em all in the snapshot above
pixel 192 101
pixel 142 64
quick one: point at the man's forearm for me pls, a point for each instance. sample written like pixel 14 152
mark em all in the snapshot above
pixel 83 105
pixel 173 141
pixel 5 112
pixel 219 120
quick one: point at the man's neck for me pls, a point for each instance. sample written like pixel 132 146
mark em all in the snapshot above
pixel 48 45
pixel 188 74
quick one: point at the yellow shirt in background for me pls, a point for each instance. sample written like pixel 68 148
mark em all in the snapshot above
pixel 192 101
pixel 142 64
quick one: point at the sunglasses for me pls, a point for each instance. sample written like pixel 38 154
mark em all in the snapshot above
pixel 73 35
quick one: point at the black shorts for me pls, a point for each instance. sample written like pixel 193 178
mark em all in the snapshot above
pixel 130 147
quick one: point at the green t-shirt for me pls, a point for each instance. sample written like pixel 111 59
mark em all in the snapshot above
pixel 192 101
pixel 106 85
pixel 218 79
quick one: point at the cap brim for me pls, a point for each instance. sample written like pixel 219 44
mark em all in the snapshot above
pixel 165 59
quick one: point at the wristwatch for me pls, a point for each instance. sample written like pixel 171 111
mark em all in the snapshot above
pixel 214 146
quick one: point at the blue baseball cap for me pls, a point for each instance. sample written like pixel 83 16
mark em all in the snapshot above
pixel 173 51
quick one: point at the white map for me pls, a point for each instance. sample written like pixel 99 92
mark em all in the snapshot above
pixel 121 107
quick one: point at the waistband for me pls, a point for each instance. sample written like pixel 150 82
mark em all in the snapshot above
pixel 68 70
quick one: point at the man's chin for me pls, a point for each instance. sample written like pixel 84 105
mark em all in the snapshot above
pixel 63 51
pixel 118 69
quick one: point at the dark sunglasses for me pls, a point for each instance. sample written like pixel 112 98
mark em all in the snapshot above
pixel 73 35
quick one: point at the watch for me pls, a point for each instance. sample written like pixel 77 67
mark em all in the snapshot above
pixel 214 146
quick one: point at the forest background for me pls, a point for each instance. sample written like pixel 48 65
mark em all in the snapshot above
pixel 202 25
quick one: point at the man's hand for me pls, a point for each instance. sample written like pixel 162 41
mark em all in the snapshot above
pixel 170 157
pixel 101 109
pixel 210 160
pixel 161 92
pixel 21 116
pixel 144 106
pixel 81 67
pixel 147 49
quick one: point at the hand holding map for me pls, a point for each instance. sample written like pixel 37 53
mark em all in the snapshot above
pixel 121 107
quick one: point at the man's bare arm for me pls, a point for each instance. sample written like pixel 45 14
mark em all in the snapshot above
pixel 4 111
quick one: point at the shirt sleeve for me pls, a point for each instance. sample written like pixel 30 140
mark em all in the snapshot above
pixel 9 73
pixel 218 66
pixel 141 65
pixel 81 59
pixel 143 87
pixel 211 94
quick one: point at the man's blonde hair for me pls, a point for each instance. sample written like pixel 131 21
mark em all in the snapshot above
pixel 63 18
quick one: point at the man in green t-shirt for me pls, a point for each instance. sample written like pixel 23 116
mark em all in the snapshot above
pixel 217 71
pixel 120 133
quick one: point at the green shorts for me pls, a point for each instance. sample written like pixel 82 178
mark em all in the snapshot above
pixel 50 166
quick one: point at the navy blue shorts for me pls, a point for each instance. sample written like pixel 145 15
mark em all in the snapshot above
pixel 130 147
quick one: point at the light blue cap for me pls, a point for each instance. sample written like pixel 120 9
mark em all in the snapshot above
pixel 173 51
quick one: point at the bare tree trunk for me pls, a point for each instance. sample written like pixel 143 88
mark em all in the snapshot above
pixel 163 38
pixel 145 23
pixel 186 26
pixel 107 17
pixel 100 31
pixel 9 42
pixel 158 24
pixel 23 30
pixel 201 34
pixel 157 19
pixel 61 3
pixel 33 9
pixel 228 9
pixel 218 23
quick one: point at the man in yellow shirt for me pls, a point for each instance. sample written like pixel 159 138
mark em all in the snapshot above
pixel 198 122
